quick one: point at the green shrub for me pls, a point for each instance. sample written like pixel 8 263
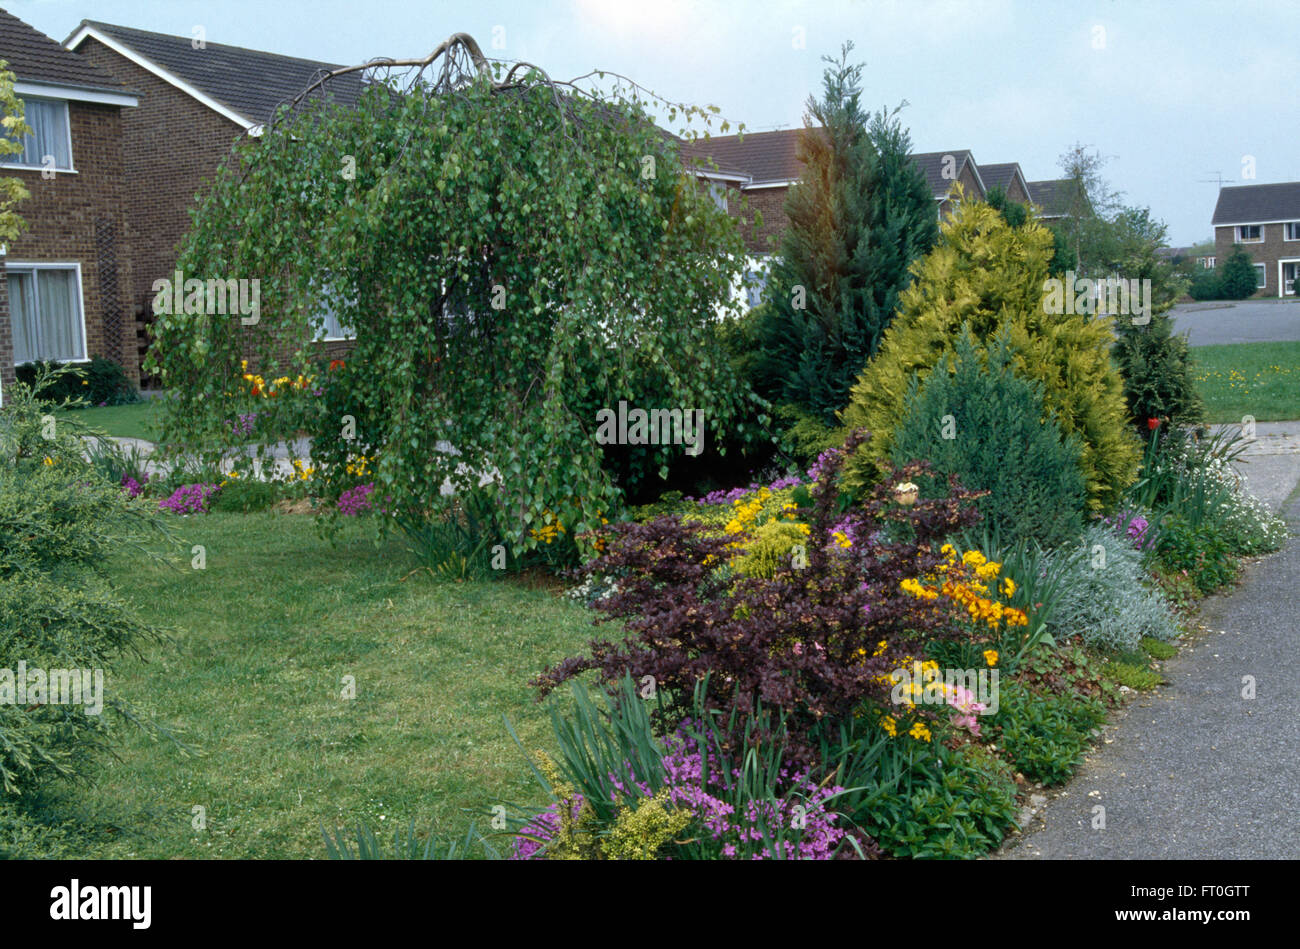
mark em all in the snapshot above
pixel 991 276
pixel 771 549
pixel 1201 551
pixel 245 496
pixel 974 418
pixel 1157 372
pixel 99 382
pixel 940 803
pixel 1105 598
pixel 1044 735
pixel 1206 285
pixel 59 521
pixel 1238 276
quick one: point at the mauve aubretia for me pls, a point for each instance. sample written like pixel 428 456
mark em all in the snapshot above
pixel 731 495
pixel 190 499
pixel 355 501
pixel 1132 525
pixel 242 426
pixel 800 815
pixel 133 488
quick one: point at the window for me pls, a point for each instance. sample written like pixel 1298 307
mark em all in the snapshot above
pixel 1207 263
pixel 333 329
pixel 45 307
pixel 1249 233
pixel 50 136
pixel 1261 277
pixel 1291 231
pixel 718 192
pixel 755 280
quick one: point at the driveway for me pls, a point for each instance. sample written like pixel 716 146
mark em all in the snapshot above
pixel 1212 324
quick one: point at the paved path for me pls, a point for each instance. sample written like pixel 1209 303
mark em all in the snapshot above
pixel 1209 324
pixel 1195 770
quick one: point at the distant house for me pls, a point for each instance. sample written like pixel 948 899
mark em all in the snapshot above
pixel 1008 177
pixel 194 103
pixel 64 281
pixel 762 166
pixel 1264 221
pixel 1056 198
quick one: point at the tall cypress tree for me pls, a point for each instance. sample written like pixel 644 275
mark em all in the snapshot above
pixel 859 215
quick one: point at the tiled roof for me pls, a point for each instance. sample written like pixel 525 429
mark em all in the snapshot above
pixel 932 165
pixel 34 57
pixel 769 157
pixel 1001 175
pixel 763 156
pixel 248 82
pixel 1052 196
pixel 1248 204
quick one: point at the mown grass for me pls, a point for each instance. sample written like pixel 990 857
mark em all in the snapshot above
pixel 265 636
pixel 139 420
pixel 1257 379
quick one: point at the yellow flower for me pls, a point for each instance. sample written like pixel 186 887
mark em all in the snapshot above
pixel 991 657
pixel 920 732
pixel 1008 586
pixel 49 460
pixel 889 725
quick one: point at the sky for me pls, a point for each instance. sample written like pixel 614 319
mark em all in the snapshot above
pixel 1176 94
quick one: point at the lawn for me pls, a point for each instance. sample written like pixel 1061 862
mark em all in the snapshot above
pixel 139 420
pixel 1259 379
pixel 264 638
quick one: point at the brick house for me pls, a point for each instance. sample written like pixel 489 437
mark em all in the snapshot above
pixel 195 101
pixel 1264 221
pixel 760 167
pixel 64 282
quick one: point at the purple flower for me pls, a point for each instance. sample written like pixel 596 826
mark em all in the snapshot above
pixel 133 487
pixel 190 499
pixel 356 500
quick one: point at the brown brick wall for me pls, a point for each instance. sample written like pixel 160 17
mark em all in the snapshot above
pixel 173 145
pixel 80 217
pixel 1273 248
pixel 1016 193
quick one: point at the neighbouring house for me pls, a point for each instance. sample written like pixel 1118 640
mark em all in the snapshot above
pixel 1057 198
pixel 1264 221
pixel 760 167
pixel 64 282
pixel 196 99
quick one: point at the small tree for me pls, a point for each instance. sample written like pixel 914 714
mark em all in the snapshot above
pixel 989 275
pixel 859 215
pixel 12 191
pixel 1239 276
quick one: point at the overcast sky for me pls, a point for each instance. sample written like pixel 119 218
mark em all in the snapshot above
pixel 1174 91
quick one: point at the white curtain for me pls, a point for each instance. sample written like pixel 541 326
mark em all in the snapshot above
pixel 46 316
pixel 49 122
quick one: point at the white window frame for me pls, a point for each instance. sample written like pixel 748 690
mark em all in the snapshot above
pixel 1262 280
pixel 1289 228
pixel 1207 263
pixel 718 192
pixel 67 128
pixel 34 265
pixel 1238 239
pixel 1281 284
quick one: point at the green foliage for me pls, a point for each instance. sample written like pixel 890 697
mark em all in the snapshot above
pixel 1013 212
pixel 100 382
pixel 246 496
pixel 991 276
pixel 1133 674
pixel 860 214
pixel 12 190
pixel 1157 370
pixel 1157 649
pixel 936 803
pixel 1237 279
pixel 640 833
pixel 1201 551
pixel 771 549
pixel 975 419
pixel 1044 736
pixel 1106 598
pixel 805 436
pixel 1206 284
pixel 59 522
pixel 513 256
